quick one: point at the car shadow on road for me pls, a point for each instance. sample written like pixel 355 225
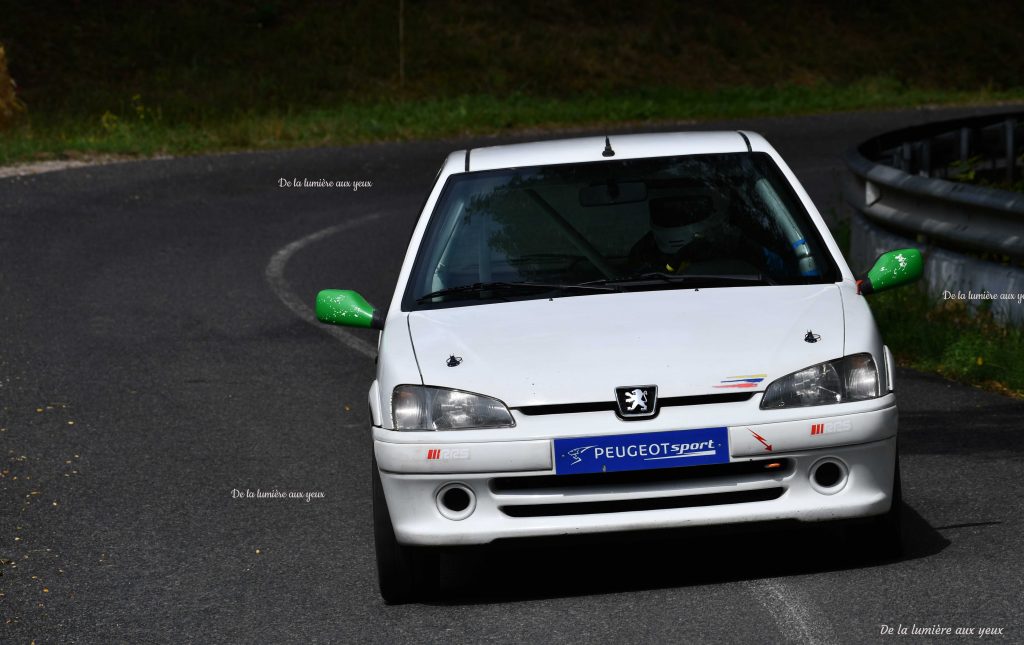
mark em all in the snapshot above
pixel 665 559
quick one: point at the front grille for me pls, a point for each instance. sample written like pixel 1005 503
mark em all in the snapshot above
pixel 749 471
pixel 648 504
pixel 609 406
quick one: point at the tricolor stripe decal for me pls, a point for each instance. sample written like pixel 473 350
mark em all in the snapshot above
pixel 748 380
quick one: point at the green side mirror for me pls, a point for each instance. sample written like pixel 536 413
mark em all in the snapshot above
pixel 347 308
pixel 892 269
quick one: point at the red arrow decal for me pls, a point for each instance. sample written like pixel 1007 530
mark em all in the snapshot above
pixel 767 446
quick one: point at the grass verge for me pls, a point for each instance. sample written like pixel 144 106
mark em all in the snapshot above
pixel 139 129
pixel 951 339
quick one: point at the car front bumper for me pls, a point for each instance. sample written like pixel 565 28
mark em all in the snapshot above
pixel 513 491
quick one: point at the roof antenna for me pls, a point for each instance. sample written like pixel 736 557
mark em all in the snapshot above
pixel 608 152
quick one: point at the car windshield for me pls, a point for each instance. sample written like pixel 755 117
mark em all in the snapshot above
pixel 718 220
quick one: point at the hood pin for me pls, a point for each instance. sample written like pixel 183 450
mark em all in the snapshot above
pixel 811 337
pixel 453 361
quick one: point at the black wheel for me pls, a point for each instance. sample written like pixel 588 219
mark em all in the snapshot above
pixel 404 573
pixel 889 527
pixel 881 538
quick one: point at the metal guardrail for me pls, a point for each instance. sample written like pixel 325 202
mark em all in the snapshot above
pixel 901 180
pixel 902 185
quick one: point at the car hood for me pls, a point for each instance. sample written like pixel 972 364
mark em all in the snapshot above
pixel 579 349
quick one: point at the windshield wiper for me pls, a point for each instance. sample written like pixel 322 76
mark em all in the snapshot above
pixel 659 276
pixel 477 287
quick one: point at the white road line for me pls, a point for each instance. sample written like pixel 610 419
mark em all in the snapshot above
pixel 39 167
pixel 792 611
pixel 281 288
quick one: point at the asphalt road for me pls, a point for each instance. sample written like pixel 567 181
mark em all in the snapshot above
pixel 148 369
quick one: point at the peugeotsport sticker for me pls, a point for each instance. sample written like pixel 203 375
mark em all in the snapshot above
pixel 642 451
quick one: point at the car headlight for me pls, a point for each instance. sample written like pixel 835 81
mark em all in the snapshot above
pixel 420 407
pixel 852 378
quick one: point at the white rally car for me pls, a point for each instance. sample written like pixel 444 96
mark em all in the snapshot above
pixel 640 332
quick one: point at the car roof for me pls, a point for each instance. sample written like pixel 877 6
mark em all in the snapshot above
pixel 625 146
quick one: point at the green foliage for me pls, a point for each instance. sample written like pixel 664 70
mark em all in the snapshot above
pixel 214 59
pixel 306 49
pixel 189 76
pixel 951 338
pixel 127 131
pixel 965 358
pixel 11 107
pixel 965 170
pixel 968 171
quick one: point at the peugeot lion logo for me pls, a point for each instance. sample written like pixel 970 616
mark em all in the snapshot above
pixel 637 401
pixel 576 453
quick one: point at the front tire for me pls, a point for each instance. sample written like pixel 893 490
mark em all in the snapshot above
pixel 404 573
pixel 881 538
pixel 889 527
